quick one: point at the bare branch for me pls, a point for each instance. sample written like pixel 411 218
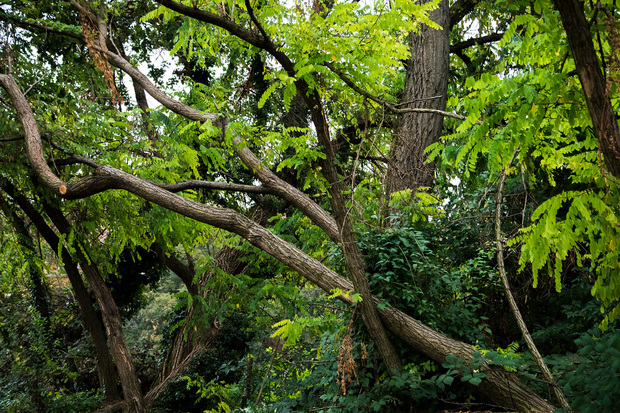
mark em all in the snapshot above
pixel 494 37
pixel 460 9
pixel 222 186
pixel 172 104
pixel 604 121
pixel 180 186
pixel 259 26
pixel 392 108
pixel 19 138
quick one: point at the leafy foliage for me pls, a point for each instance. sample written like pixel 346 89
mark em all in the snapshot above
pixel 446 287
pixel 598 389
pixel 282 344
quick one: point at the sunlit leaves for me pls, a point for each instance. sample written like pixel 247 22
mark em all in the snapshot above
pixel 366 41
pixel 533 104
pixel 585 223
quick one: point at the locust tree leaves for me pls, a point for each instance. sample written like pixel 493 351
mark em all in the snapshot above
pixel 532 103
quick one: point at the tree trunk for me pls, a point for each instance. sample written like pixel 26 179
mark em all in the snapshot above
pixel 592 81
pixel 132 393
pixel 38 289
pixel 186 342
pixel 500 386
pixel 426 86
pixel 354 261
pixel 105 363
pixel 353 257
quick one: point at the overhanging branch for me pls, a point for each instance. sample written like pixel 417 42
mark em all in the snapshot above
pixel 460 9
pixel 392 108
pixel 38 27
pixel 458 47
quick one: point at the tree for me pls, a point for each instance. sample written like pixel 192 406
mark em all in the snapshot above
pixel 426 86
pixel 342 59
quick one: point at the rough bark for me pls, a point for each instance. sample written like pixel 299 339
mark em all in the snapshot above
pixel 38 289
pixel 426 86
pixel 500 386
pixel 105 363
pixel 132 393
pixel 353 258
pixel 187 342
pixel 592 81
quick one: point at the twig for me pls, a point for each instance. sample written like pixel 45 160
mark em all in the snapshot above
pixel 387 104
pixel 20 138
pixel 262 385
pixel 33 85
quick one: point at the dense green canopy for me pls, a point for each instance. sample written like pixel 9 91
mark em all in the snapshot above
pixel 313 206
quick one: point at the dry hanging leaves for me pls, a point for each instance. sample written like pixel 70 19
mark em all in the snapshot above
pixel 346 361
pixel 89 30
pixel 346 364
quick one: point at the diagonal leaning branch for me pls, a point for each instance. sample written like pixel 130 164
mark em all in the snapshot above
pixel 502 387
pixel 269 179
pixel 107 177
pixel 353 258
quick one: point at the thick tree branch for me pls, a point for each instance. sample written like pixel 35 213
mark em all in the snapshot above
pixel 414 333
pixel 458 47
pixel 460 9
pixel 132 393
pixel 32 137
pixel 269 179
pixel 91 321
pixel 392 108
pixel 156 93
pixel 592 81
pixel 419 336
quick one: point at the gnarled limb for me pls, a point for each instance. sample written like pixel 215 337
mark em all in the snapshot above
pixel 134 399
pixel 500 386
pixel 105 363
